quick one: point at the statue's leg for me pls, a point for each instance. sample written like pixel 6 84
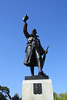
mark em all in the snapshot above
pixel 32 70
pixel 39 61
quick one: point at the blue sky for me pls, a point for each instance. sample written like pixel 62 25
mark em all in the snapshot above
pixel 49 17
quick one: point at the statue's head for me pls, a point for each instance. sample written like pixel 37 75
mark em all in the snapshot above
pixel 34 31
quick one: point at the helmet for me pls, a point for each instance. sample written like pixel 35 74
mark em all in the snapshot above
pixel 34 31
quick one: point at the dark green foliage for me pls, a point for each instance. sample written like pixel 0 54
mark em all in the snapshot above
pixel 4 89
pixel 4 93
pixel 16 97
pixel 2 96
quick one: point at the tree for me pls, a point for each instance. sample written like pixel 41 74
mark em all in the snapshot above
pixel 4 93
pixel 2 97
pixel 55 96
pixel 63 96
pixel 16 97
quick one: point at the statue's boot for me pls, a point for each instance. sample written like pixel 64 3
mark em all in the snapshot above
pixel 43 74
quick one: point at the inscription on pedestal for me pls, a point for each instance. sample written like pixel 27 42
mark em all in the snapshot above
pixel 37 88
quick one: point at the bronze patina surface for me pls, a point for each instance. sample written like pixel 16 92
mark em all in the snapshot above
pixel 35 54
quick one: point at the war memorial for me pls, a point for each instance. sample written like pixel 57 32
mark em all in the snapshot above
pixel 35 87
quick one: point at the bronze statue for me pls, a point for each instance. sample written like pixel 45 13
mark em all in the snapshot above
pixel 34 50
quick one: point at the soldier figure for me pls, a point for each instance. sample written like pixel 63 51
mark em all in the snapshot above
pixel 34 50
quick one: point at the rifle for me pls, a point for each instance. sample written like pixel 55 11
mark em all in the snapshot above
pixel 45 55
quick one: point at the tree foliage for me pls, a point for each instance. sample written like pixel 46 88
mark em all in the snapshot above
pixel 62 96
pixel 16 97
pixel 4 93
pixel 2 96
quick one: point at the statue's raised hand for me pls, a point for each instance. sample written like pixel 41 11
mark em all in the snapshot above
pixel 25 18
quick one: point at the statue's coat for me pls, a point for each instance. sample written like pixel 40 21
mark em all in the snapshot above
pixel 33 44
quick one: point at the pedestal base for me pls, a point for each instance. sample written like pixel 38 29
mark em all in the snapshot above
pixel 37 89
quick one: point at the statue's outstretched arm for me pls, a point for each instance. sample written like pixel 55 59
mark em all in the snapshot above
pixel 25 26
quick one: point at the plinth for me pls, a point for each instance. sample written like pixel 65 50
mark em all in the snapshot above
pixel 37 88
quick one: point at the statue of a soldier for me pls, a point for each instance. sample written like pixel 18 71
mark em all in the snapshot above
pixel 34 50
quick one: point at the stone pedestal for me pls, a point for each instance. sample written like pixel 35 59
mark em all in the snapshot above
pixel 40 89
